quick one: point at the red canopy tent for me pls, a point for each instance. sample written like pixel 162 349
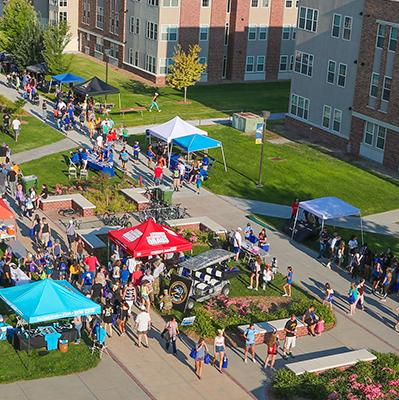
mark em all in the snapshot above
pixel 149 239
pixel 5 213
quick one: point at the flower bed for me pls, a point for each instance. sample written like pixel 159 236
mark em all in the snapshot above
pixel 224 312
pixel 364 381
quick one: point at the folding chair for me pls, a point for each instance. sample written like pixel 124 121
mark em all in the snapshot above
pixel 72 170
pixel 83 173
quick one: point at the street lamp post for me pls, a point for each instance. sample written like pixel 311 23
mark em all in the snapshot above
pixel 106 53
pixel 265 115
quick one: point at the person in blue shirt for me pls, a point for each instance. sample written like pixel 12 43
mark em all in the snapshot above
pixel 124 275
pixel 87 281
pixel 136 151
pixel 75 158
pixel 124 157
pixel 205 163
pixel 287 286
pixel 250 335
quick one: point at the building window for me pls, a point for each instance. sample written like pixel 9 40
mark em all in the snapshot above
pixel 347 29
pixel 293 32
pixel 224 67
pixel 136 58
pixel 249 67
pixel 137 26
pixel 226 33
pixel 336 25
pixel 131 25
pixel 63 16
pixel 205 3
pixel 265 3
pixel 260 63
pixel 150 63
pixel 99 45
pixel 152 30
pixel 100 14
pixel 63 3
pixel 291 67
pixel 169 33
pixel 262 35
pixel 288 3
pixel 393 39
pixel 308 19
pixel 170 3
pixel 252 32
pixel 203 33
pixel 342 70
pixel 86 12
pixel 337 120
pixel 331 68
pixel 283 63
pixel 326 117
pixel 114 17
pixel 380 36
pixel 254 3
pixel 130 56
pixel 303 63
pixel 299 106
pixel 203 60
pixel 386 88
pixel 114 50
pixel 286 32
pixel 375 78
pixel 228 6
pixel 374 135
pixel 164 64
pixel 153 2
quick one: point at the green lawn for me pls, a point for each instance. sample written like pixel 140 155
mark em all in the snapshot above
pixel 375 241
pixel 297 171
pixel 17 366
pixel 206 101
pixel 34 133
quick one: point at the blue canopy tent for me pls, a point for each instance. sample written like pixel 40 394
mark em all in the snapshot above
pixel 328 208
pixel 192 143
pixel 66 78
pixel 48 300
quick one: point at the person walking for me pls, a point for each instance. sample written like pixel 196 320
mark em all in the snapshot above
pixel 71 232
pixel 108 312
pixel 360 299
pixel 249 336
pixel 77 323
pixel 154 102
pixel 237 241
pixel 271 343
pixel 352 298
pixel 386 283
pixel 44 233
pixel 219 349
pixel 288 285
pixel 122 318
pixel 328 295
pixel 255 266
pixel 290 336
pixel 171 331
pixel 129 295
pixel 44 109
pixel 158 172
pixel 323 242
pixel 294 208
pixel 198 182
pixel 12 181
pixel 16 127
pixel 340 253
pixel 176 180
pixel 201 349
pixel 143 325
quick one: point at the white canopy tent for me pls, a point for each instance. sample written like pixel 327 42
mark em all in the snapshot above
pixel 173 129
pixel 327 208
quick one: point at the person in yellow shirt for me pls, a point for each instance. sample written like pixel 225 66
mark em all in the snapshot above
pixel 74 272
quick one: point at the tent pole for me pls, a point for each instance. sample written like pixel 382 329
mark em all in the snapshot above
pixel 169 153
pixel 361 228
pixel 108 249
pixel 28 347
pixel 224 160
pixel 294 226
pixel 322 224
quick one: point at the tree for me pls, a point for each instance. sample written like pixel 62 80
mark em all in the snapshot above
pixel 186 69
pixel 55 39
pixel 21 34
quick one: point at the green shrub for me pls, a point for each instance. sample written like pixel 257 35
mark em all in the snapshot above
pixel 203 325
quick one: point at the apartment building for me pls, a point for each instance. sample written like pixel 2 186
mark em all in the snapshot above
pixel 240 40
pixel 345 85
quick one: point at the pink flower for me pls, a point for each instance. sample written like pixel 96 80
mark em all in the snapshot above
pixel 394 383
pixel 333 395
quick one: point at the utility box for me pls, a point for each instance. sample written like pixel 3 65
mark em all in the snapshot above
pixel 28 182
pixel 246 121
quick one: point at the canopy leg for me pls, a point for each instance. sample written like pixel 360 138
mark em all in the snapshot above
pixel 361 228
pixel 224 159
pixel 295 221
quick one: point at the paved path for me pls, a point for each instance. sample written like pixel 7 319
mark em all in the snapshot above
pixel 386 223
pixel 161 373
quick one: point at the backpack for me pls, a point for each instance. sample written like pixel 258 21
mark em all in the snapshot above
pixel 252 266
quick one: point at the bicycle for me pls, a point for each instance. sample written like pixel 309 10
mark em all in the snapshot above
pixel 67 212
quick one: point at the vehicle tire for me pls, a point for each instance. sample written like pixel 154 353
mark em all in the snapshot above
pixel 190 304
pixel 128 224
pixel 226 290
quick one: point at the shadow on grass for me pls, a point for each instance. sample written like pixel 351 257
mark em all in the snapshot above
pixel 139 87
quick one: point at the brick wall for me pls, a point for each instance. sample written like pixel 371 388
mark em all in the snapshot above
pixel 274 39
pixel 157 80
pixel 391 152
pixel 189 22
pixel 216 40
pixel 57 205
pixel 238 40
pixel 374 10
pixel 316 135
pixel 356 136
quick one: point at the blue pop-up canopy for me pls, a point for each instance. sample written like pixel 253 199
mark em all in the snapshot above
pixel 192 143
pixel 68 78
pixel 48 300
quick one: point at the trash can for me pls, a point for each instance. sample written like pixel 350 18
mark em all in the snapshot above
pixel 63 346
pixel 165 194
pixel 28 182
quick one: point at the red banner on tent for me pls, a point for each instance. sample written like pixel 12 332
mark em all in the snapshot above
pixel 149 239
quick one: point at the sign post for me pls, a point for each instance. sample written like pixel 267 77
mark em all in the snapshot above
pixel 266 115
